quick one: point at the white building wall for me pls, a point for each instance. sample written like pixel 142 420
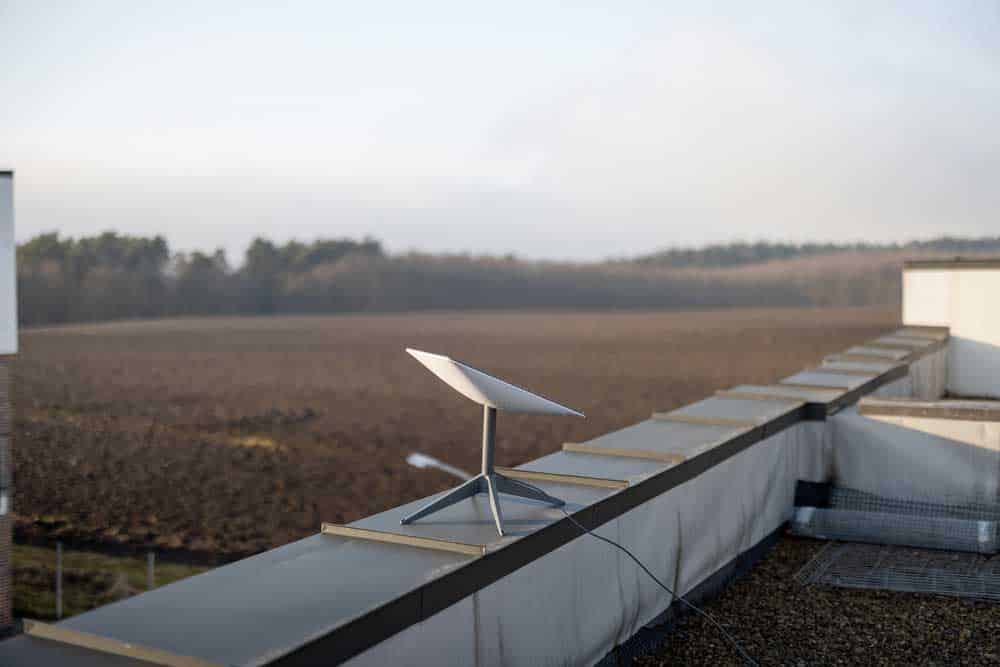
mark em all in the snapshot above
pixel 927 297
pixel 8 274
pixel 967 300
pixel 910 457
pixel 974 361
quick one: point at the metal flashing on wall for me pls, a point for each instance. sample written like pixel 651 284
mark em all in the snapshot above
pixel 809 385
pixel 846 371
pixel 958 410
pixel 403 540
pixel 682 418
pixel 952 263
pixel 905 339
pixel 759 396
pixel 874 358
pixel 907 347
pixel 59 633
pixel 880 352
pixel 561 478
pixel 652 455
pixel 917 331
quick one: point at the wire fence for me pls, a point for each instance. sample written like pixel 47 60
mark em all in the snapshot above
pixel 53 582
pixel 904 569
pixel 962 524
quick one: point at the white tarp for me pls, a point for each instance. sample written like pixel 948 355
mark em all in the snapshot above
pixel 937 459
pixel 577 603
pixel 926 379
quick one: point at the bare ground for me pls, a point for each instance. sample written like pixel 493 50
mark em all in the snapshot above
pixel 226 436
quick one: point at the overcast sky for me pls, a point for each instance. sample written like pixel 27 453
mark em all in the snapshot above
pixel 504 126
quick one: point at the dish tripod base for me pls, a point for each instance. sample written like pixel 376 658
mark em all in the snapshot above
pixel 488 481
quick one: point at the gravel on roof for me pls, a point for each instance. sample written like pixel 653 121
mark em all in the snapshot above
pixel 782 622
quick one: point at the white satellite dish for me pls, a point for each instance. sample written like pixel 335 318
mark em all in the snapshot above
pixel 493 394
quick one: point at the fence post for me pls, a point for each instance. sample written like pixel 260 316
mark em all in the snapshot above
pixel 150 571
pixel 59 569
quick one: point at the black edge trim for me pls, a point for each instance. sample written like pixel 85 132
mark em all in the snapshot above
pixel 812 494
pixel 854 395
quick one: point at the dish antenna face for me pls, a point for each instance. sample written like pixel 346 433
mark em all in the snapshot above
pixel 493 394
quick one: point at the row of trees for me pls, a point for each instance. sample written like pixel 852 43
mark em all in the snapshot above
pixel 113 276
pixel 740 254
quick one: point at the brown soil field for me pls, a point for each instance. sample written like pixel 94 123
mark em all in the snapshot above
pixel 220 437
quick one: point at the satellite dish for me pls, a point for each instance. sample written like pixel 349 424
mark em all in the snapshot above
pixel 485 389
pixel 493 394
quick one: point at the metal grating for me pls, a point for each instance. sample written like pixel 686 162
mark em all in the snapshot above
pixel 952 507
pixel 904 569
pixel 933 532
pixel 850 515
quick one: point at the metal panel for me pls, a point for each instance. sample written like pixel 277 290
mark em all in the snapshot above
pixel 666 437
pixel 881 352
pixel 954 263
pixel 735 408
pixel 986 411
pixel 470 521
pixel 109 646
pixel 893 345
pixel 562 478
pixel 846 362
pixel 864 358
pixel 933 333
pixel 705 420
pixel 906 340
pixel 26 651
pixel 828 379
pixel 574 463
pixel 828 369
pixel 267 605
pixel 781 392
pixel 622 452
pixel 353 533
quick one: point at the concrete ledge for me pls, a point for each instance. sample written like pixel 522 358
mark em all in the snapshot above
pixel 953 263
pixel 984 411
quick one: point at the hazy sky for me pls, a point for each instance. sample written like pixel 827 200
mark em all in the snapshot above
pixel 503 127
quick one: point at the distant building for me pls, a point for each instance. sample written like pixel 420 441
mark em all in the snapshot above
pixel 8 348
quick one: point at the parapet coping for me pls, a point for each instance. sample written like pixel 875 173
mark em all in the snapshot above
pixel 952 263
pixel 952 409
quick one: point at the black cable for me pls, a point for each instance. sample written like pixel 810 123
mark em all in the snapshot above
pixel 732 640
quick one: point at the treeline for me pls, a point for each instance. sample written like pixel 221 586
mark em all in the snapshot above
pixel 113 276
pixel 740 254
